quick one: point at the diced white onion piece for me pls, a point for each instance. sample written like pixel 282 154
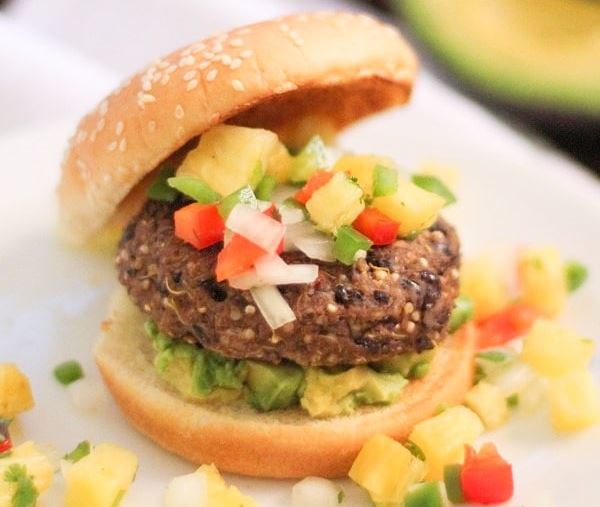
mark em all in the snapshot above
pixel 273 306
pixel 253 225
pixel 88 395
pixel 293 231
pixel 290 215
pixel 187 491
pixel 513 379
pixel 275 271
pixel 316 246
pixel 314 491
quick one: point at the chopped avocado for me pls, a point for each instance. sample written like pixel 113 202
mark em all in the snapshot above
pixel 408 365
pixel 330 394
pixel 527 52
pixel 310 159
pixel 271 387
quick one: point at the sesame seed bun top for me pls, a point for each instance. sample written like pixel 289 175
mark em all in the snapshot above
pixel 339 66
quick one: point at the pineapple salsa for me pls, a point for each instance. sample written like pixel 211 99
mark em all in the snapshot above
pixel 250 194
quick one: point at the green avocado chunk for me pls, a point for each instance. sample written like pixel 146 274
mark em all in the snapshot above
pixel 525 52
pixel 271 387
pixel 330 394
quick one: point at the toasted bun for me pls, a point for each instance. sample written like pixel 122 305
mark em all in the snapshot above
pixel 281 444
pixel 275 74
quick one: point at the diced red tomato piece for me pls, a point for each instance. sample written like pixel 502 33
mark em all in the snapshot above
pixel 376 226
pixel 5 445
pixel 315 182
pixel 508 324
pixel 485 476
pixel 236 257
pixel 199 225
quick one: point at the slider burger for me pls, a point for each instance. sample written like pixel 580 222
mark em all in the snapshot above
pixel 281 301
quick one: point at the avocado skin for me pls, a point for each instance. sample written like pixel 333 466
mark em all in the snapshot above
pixel 271 387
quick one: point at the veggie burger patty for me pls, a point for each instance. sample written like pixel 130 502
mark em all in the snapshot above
pixel 395 301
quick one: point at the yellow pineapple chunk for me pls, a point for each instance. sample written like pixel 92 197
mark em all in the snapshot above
pixel 411 206
pixel 552 351
pixel 37 466
pixel 336 203
pixel 386 469
pixel 204 488
pixel 443 437
pixel 488 402
pixel 542 279
pixel 100 478
pixel 481 281
pixel 15 391
pixel 574 401
pixel 229 157
pixel 361 167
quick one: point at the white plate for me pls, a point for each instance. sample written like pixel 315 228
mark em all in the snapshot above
pixel 512 192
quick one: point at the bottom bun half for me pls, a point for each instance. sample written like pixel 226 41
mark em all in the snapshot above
pixel 281 444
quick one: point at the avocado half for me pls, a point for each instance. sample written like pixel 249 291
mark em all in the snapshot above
pixel 540 56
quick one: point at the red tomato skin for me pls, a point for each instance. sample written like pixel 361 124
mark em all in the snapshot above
pixel 376 226
pixel 236 257
pixel 486 478
pixel 506 325
pixel 5 445
pixel 316 181
pixel 200 225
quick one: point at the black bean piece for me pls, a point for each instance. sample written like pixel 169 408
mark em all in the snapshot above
pixel 381 296
pixel 376 261
pixel 423 343
pixel 341 296
pixel 176 276
pixel 215 290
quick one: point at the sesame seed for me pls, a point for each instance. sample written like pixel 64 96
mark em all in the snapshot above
pixel 415 316
pixel 226 59
pixel 248 333
pixel 235 63
pixel 423 262
pixel 119 128
pixel 395 276
pixel 123 145
pixel 187 60
pixel 247 53
pixel 409 308
pixel 191 85
pixel 235 314
pixel 237 85
pixel 179 112
pixel 171 69
pixel 112 146
pixel 151 126
pixel 331 308
pixel 202 309
pixel 250 310
pixel 190 75
pixel 100 124
pixel 438 235
pixel 144 250
pixel 147 307
pixel 217 48
pixel 212 74
pixel 157 77
pixel 147 98
pixel 236 43
pixel 410 326
pixel 146 86
pixel 203 65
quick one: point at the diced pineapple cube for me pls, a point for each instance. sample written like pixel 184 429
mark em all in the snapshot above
pixel 15 391
pixel 488 402
pixel 542 279
pixel 443 437
pixel 411 206
pixel 481 281
pixel 386 469
pixel 204 488
pixel 336 203
pixel 100 478
pixel 229 157
pixel 574 401
pixel 361 167
pixel 552 351
pixel 36 463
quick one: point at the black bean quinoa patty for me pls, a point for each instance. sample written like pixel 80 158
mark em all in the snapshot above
pixel 397 300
